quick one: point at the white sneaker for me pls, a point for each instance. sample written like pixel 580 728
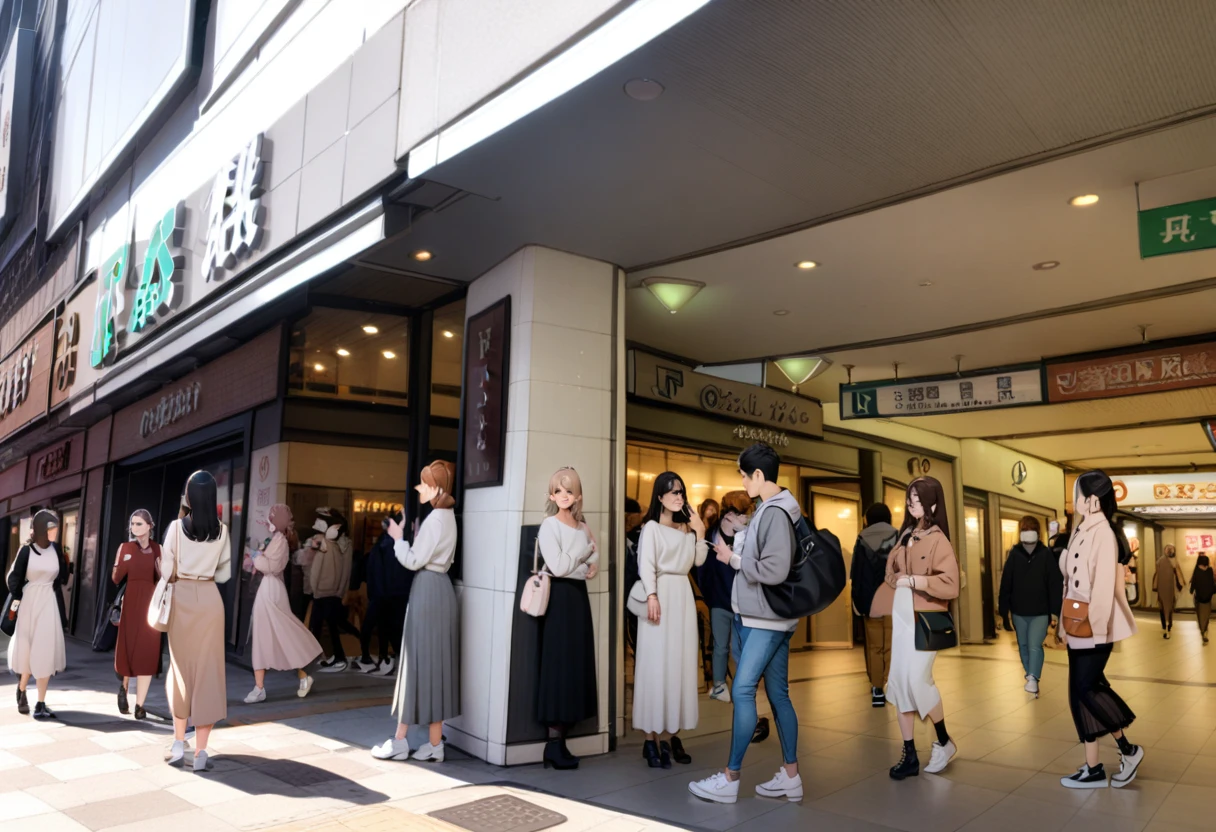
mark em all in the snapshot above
pixel 392 749
pixel 782 785
pixel 941 757
pixel 200 761
pixel 305 687
pixel 1032 685
pixel 1128 765
pixel 333 667
pixel 430 753
pixel 386 668
pixel 256 695
pixel 177 753
pixel 365 667
pixel 716 788
pixel 720 692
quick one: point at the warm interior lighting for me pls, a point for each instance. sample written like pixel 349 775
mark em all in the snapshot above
pixel 389 354
pixel 1083 200
pixel 801 369
pixel 422 255
pixel 320 368
pixel 673 292
pixel 447 333
pixel 345 353
pixel 370 329
pixel 845 513
pixel 806 265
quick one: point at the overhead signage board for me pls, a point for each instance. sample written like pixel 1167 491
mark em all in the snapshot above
pixel 1167 490
pixel 934 396
pixel 25 378
pixel 672 383
pixel 16 88
pixel 1172 229
pixel 1129 374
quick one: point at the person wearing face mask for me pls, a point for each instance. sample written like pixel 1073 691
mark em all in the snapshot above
pixel 1168 579
pixel 715 579
pixel 1032 589
pixel 1203 587
pixel 35 582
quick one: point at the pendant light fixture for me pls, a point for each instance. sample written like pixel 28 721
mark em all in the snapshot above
pixel 673 292
pixel 800 369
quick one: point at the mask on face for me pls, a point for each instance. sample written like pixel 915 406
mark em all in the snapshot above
pixel 1030 537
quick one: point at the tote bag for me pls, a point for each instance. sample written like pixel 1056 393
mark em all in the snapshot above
pixel 534 600
pixel 161 606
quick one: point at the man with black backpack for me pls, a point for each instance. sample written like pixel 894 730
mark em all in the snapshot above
pixel 762 556
pixel 874 545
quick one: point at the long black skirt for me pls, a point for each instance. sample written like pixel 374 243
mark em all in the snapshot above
pixel 567 691
pixel 1096 709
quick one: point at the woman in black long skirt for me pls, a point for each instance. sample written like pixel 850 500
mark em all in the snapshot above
pixel 567 690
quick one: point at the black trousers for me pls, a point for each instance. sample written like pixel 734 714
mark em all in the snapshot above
pixel 1096 709
pixel 330 611
pixel 385 618
pixel 1167 621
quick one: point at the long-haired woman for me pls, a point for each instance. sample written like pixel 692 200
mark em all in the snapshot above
pixel 197 552
pixel 137 651
pixel 566 694
pixel 922 576
pixel 665 669
pixel 1095 615
pixel 428 674
pixel 1203 587
pixel 280 641
pixel 37 648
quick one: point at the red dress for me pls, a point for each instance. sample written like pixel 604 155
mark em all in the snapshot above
pixel 137 652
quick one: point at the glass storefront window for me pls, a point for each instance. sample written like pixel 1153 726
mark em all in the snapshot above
pixel 367 519
pixel 446 350
pixel 355 356
pixel 896 498
pixel 705 475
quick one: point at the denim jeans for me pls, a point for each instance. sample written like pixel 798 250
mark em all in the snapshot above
pixel 762 653
pixel 722 624
pixel 1031 631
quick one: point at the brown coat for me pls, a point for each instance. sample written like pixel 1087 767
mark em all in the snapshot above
pixel 929 557
pixel 1168 578
pixel 1092 574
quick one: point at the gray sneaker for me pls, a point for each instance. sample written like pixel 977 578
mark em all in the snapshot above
pixel 1129 764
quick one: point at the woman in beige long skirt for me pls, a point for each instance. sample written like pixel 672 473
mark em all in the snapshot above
pixel 196 554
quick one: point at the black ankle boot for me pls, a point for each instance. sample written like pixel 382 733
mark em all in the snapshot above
pixel 664 754
pixel 140 713
pixel 565 752
pixel 908 765
pixel 553 757
pixel 650 753
pixel 23 704
pixel 678 753
pixel 124 706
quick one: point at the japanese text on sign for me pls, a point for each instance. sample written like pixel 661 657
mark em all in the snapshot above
pixel 1162 369
pixel 1190 226
pixel 950 394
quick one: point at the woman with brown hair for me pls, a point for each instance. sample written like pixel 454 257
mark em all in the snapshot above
pixel 1167 579
pixel 1031 592
pixel 428 674
pixel 35 582
pixel 137 652
pixel 921 577
pixel 280 641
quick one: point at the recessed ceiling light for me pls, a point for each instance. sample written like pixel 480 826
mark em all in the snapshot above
pixel 343 352
pixel 422 255
pixel 389 354
pixel 925 283
pixel 447 333
pixel 806 265
pixel 1045 266
pixel 643 89
pixel 1083 200
pixel 320 368
pixel 780 313
pixel 371 330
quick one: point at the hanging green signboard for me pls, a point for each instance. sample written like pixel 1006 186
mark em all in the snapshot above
pixel 1189 226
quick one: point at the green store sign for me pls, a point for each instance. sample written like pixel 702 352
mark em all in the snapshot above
pixel 1189 226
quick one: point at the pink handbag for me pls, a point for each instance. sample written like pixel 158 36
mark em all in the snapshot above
pixel 534 600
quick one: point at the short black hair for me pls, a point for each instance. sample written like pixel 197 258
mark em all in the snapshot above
pixel 760 457
pixel 878 513
pixel 631 506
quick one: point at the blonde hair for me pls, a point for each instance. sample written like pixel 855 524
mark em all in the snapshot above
pixel 568 479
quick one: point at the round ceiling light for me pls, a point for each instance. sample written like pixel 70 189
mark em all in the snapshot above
pixel 422 255
pixel 370 329
pixel 389 354
pixel 643 89
pixel 1046 265
pixel 1083 200
pixel 806 265
pixel 345 353
pixel 447 333
pixel 925 284
pixel 320 368
pixel 781 313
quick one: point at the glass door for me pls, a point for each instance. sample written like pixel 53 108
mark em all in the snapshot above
pixel 975 524
pixel 836 509
pixel 69 535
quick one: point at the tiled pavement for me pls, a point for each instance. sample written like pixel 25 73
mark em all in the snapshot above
pixel 311 770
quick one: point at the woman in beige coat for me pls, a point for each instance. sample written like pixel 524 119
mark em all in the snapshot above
pixel 1095 616
pixel 1167 579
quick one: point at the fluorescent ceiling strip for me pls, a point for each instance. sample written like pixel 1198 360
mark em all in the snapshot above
pixel 629 30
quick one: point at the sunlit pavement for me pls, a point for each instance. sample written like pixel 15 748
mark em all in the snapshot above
pixel 309 768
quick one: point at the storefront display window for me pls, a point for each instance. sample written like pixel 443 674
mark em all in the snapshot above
pixel 895 496
pixel 705 475
pixel 350 355
pixel 367 521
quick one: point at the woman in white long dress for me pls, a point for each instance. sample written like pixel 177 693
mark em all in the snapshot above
pixel 665 672
pixel 37 648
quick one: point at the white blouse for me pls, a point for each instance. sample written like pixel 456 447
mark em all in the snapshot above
pixel 567 552
pixel 205 559
pixel 434 547
pixel 666 550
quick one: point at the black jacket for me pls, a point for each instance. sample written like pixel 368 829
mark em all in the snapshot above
pixel 869 569
pixel 16 578
pixel 1203 584
pixel 1031 584
pixel 386 577
pixel 715 578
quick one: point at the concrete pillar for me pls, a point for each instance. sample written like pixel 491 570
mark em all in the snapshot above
pixel 564 352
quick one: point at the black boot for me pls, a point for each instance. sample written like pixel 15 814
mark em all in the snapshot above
pixel 678 753
pixel 565 752
pixel 650 753
pixel 761 732
pixel 23 704
pixel 908 765
pixel 124 707
pixel 553 757
pixel 41 711
pixel 664 754
pixel 140 713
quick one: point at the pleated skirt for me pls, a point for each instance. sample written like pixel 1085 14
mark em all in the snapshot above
pixel 428 676
pixel 567 694
pixel 196 684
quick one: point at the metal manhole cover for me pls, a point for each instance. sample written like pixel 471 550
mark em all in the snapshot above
pixel 502 813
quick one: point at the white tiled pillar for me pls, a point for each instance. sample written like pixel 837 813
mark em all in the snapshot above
pixel 561 406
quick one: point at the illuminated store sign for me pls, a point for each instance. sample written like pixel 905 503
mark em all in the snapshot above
pixel 932 396
pixel 1146 490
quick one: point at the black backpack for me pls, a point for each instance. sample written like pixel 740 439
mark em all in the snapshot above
pixel 817 574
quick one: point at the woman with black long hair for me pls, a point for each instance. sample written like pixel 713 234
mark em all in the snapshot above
pixel 1203 587
pixel 1095 615
pixel 197 555
pixel 37 648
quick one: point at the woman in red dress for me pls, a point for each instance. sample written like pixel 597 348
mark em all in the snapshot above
pixel 137 653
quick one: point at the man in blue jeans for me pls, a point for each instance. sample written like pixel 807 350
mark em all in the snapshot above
pixel 761 556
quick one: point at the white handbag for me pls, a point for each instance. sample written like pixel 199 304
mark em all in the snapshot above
pixel 534 600
pixel 161 606
pixel 636 602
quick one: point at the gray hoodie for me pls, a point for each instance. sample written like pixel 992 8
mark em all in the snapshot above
pixel 768 551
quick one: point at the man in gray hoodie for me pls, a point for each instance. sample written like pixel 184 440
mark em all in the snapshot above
pixel 761 557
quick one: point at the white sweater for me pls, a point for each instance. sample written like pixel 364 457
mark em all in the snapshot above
pixel 434 547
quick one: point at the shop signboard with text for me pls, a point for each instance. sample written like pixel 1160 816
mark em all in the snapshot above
pixel 935 395
pixel 1132 373
pixel 25 378
pixel 675 384
pixel 1172 229
pixel 59 460
pixel 487 357
pixel 1197 489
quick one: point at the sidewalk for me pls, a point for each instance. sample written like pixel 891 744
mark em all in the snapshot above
pixel 286 764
